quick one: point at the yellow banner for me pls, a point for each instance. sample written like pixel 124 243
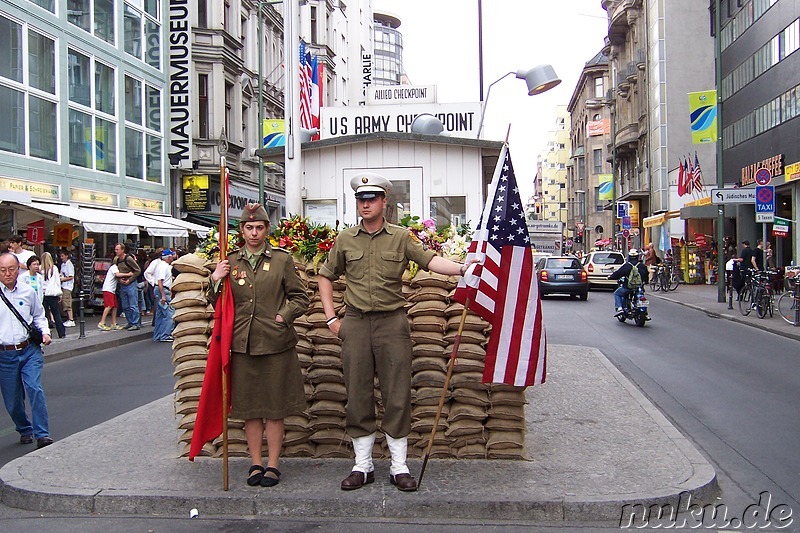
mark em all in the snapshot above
pixel 273 130
pixel 34 188
pixel 792 172
pixel 606 186
pixel 84 196
pixel 143 204
pixel 703 116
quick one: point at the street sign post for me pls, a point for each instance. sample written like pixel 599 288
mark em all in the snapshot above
pixel 733 196
pixel 765 203
pixel 626 222
pixel 623 209
pixel 763 176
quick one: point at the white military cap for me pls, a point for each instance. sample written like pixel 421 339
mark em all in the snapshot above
pixel 369 185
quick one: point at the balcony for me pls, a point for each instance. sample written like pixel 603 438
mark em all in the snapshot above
pixel 641 58
pixel 631 72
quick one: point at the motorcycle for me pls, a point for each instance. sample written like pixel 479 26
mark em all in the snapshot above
pixel 634 306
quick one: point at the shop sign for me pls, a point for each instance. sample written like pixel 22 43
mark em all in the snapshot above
pixel 459 119
pixel 35 233
pixel 780 228
pixel 85 196
pixel 792 172
pixel 401 94
pixel 773 164
pixel 144 204
pixel 33 188
pixel 700 239
pixel 195 193
pixel 62 235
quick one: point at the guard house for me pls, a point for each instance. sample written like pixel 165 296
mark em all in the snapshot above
pixel 433 176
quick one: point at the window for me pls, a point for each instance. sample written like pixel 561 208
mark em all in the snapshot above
pixel 597 159
pixel 95 17
pixel 202 106
pixel 449 210
pixel 228 108
pixel 143 31
pixel 49 5
pixel 599 90
pixel 202 13
pixel 143 139
pixel 28 81
pixel 92 124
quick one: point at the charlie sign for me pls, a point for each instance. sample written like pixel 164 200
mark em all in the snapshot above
pixel 460 120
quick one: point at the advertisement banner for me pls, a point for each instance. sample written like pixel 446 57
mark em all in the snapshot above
pixel 62 235
pixel 35 233
pixel 703 116
pixel 598 127
pixel 195 193
pixel 273 132
pixel 606 186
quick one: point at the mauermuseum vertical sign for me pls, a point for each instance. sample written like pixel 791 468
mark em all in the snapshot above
pixel 180 62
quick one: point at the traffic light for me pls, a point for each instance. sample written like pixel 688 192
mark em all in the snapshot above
pixel 579 237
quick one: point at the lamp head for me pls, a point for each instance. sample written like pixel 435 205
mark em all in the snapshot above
pixel 539 79
pixel 427 124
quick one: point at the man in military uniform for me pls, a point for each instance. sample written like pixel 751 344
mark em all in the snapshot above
pixel 266 381
pixel 373 256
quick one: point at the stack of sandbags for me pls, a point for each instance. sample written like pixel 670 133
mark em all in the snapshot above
pixel 194 320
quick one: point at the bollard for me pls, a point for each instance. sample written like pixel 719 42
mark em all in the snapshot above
pixel 81 318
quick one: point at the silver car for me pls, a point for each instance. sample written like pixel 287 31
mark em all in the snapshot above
pixel 599 265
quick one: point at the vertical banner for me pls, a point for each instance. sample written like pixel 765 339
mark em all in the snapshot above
pixel 703 116
pixel 606 186
pixel 273 130
pixel 179 102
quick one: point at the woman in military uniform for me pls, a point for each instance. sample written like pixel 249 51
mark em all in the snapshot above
pixel 266 382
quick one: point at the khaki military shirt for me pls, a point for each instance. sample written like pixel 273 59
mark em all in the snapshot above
pixel 271 288
pixel 374 264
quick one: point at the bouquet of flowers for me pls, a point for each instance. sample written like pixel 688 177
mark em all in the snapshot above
pixel 451 241
pixel 305 240
pixel 209 248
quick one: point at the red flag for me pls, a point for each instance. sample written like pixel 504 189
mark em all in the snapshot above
pixel 502 288
pixel 209 421
pixel 681 179
pixel 208 424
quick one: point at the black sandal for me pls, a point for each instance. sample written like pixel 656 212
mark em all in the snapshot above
pixel 255 475
pixel 271 477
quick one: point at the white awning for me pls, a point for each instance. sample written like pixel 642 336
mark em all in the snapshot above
pixel 197 229
pixel 109 220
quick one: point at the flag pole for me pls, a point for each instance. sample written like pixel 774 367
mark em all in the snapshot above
pixel 223 254
pixel 450 365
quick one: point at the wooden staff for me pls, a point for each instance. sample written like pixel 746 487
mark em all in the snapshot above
pixel 450 365
pixel 223 254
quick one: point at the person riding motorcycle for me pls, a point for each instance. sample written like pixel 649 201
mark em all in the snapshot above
pixel 624 271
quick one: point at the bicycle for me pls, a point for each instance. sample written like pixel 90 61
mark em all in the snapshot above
pixel 745 297
pixel 671 278
pixel 757 294
pixel 655 278
pixel 789 303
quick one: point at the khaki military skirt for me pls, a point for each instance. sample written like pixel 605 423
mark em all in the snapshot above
pixel 266 386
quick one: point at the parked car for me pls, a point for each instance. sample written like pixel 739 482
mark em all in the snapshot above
pixel 562 275
pixel 599 265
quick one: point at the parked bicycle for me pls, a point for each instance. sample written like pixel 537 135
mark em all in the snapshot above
pixel 789 302
pixel 758 294
pixel 664 278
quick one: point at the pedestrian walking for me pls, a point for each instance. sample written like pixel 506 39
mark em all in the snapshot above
pixel 22 254
pixel 128 289
pixel 67 270
pixel 110 299
pixel 266 380
pixel 375 335
pixel 21 359
pixel 33 276
pixel 163 324
pixel 52 293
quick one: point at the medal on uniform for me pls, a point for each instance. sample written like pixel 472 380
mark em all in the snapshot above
pixel 265 268
pixel 235 273
pixel 241 281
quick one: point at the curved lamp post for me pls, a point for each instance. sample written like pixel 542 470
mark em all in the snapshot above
pixel 538 79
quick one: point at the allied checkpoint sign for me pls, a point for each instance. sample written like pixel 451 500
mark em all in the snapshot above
pixel 459 120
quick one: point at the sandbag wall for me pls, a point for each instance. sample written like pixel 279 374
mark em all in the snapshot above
pixel 478 421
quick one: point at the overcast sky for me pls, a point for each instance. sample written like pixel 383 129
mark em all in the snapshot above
pixel 440 39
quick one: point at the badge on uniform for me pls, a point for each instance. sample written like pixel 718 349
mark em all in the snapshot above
pixel 265 268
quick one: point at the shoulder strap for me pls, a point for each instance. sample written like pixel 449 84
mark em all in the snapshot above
pixel 16 313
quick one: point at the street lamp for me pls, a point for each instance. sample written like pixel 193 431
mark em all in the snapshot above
pixel 582 209
pixel 538 79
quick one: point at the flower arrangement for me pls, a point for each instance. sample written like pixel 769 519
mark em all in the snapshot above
pixel 305 240
pixel 451 241
pixel 209 248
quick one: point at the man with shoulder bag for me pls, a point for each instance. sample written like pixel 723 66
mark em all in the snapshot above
pixel 23 330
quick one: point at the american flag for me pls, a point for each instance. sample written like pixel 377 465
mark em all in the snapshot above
pixel 698 175
pixel 305 87
pixel 502 288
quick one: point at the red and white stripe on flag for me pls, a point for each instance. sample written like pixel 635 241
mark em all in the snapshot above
pixel 502 288
pixel 305 87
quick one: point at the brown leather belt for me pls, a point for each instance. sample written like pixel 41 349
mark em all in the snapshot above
pixel 14 347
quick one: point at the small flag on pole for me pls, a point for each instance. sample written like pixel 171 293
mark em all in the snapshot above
pixel 305 87
pixel 698 175
pixel 502 287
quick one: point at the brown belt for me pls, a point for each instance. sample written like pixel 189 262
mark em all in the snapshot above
pixel 14 347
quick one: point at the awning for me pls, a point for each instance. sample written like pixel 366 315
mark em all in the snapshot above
pixel 655 220
pixel 106 220
pixel 197 229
